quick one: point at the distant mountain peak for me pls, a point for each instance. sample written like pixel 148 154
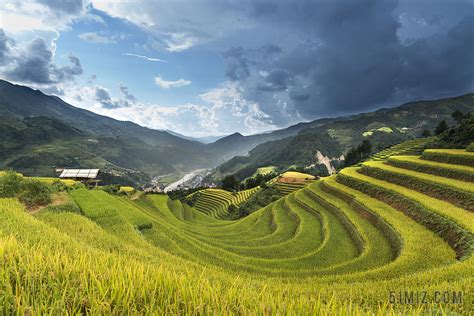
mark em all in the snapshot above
pixel 236 134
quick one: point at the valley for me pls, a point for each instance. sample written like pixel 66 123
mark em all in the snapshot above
pixel 356 236
pixel 330 217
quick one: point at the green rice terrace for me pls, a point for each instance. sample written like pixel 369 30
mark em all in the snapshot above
pixel 369 240
pixel 215 202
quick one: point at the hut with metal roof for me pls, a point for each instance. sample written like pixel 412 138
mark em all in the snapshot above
pixel 88 176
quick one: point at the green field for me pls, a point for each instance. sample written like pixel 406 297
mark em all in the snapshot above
pixel 265 170
pixel 343 245
pixel 215 202
pixel 410 147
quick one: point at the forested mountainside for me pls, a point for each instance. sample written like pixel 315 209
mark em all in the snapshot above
pixel 335 137
pixel 43 132
pixel 34 144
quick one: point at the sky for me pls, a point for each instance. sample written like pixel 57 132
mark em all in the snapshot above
pixel 214 67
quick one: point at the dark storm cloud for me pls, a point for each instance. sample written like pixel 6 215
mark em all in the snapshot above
pixel 443 63
pixel 299 96
pixel 33 66
pixel 276 80
pixel 126 93
pixel 347 56
pixel 102 96
pixel 70 7
pixel 32 62
pixel 3 46
pixel 237 64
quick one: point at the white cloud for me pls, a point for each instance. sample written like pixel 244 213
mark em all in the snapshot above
pixel 28 15
pixel 146 57
pixel 32 62
pixel 96 38
pixel 178 42
pixel 222 111
pixel 15 23
pixel 179 26
pixel 167 84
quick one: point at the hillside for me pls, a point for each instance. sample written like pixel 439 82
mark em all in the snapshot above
pixel 334 137
pixel 162 152
pixel 347 244
pixel 19 102
pixel 38 145
pixel 158 148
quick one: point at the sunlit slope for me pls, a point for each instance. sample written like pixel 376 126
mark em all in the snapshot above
pixel 215 202
pixel 336 246
pixel 410 147
pixel 291 181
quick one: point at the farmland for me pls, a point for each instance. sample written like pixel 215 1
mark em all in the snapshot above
pixel 352 243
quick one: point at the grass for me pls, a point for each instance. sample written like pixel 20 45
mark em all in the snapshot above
pixel 454 191
pixel 127 189
pixel 265 170
pixel 334 246
pixel 47 180
pixel 384 129
pixel 452 156
pixel 447 170
pixel 297 175
pixel 409 147
pixel 215 202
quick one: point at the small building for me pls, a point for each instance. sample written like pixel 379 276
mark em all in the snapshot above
pixel 88 176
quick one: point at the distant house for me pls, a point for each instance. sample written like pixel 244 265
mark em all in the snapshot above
pixel 88 176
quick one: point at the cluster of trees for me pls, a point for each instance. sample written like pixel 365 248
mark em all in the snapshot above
pixel 358 153
pixel 181 194
pixel 458 136
pixel 458 116
pixel 231 183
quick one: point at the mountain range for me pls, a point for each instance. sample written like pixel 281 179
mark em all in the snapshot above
pixel 39 132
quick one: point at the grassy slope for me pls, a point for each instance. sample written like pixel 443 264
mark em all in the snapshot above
pixel 312 251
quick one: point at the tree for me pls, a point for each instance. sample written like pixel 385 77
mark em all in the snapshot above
pixel 426 133
pixel 230 183
pixel 365 148
pixel 359 153
pixel 458 116
pixel 232 208
pixel 442 126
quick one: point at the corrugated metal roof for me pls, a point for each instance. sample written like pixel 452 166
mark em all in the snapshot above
pixel 80 173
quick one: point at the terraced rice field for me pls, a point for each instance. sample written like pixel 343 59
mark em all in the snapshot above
pixel 291 181
pixel 410 147
pixel 352 244
pixel 47 180
pixel 215 202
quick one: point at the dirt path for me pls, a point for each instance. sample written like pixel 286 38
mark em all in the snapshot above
pixel 56 199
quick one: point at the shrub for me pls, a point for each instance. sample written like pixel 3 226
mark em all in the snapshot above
pixel 426 133
pixel 470 147
pixel 58 186
pixel 141 227
pixel 34 193
pixel 10 184
pixel 78 185
pixel 112 189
